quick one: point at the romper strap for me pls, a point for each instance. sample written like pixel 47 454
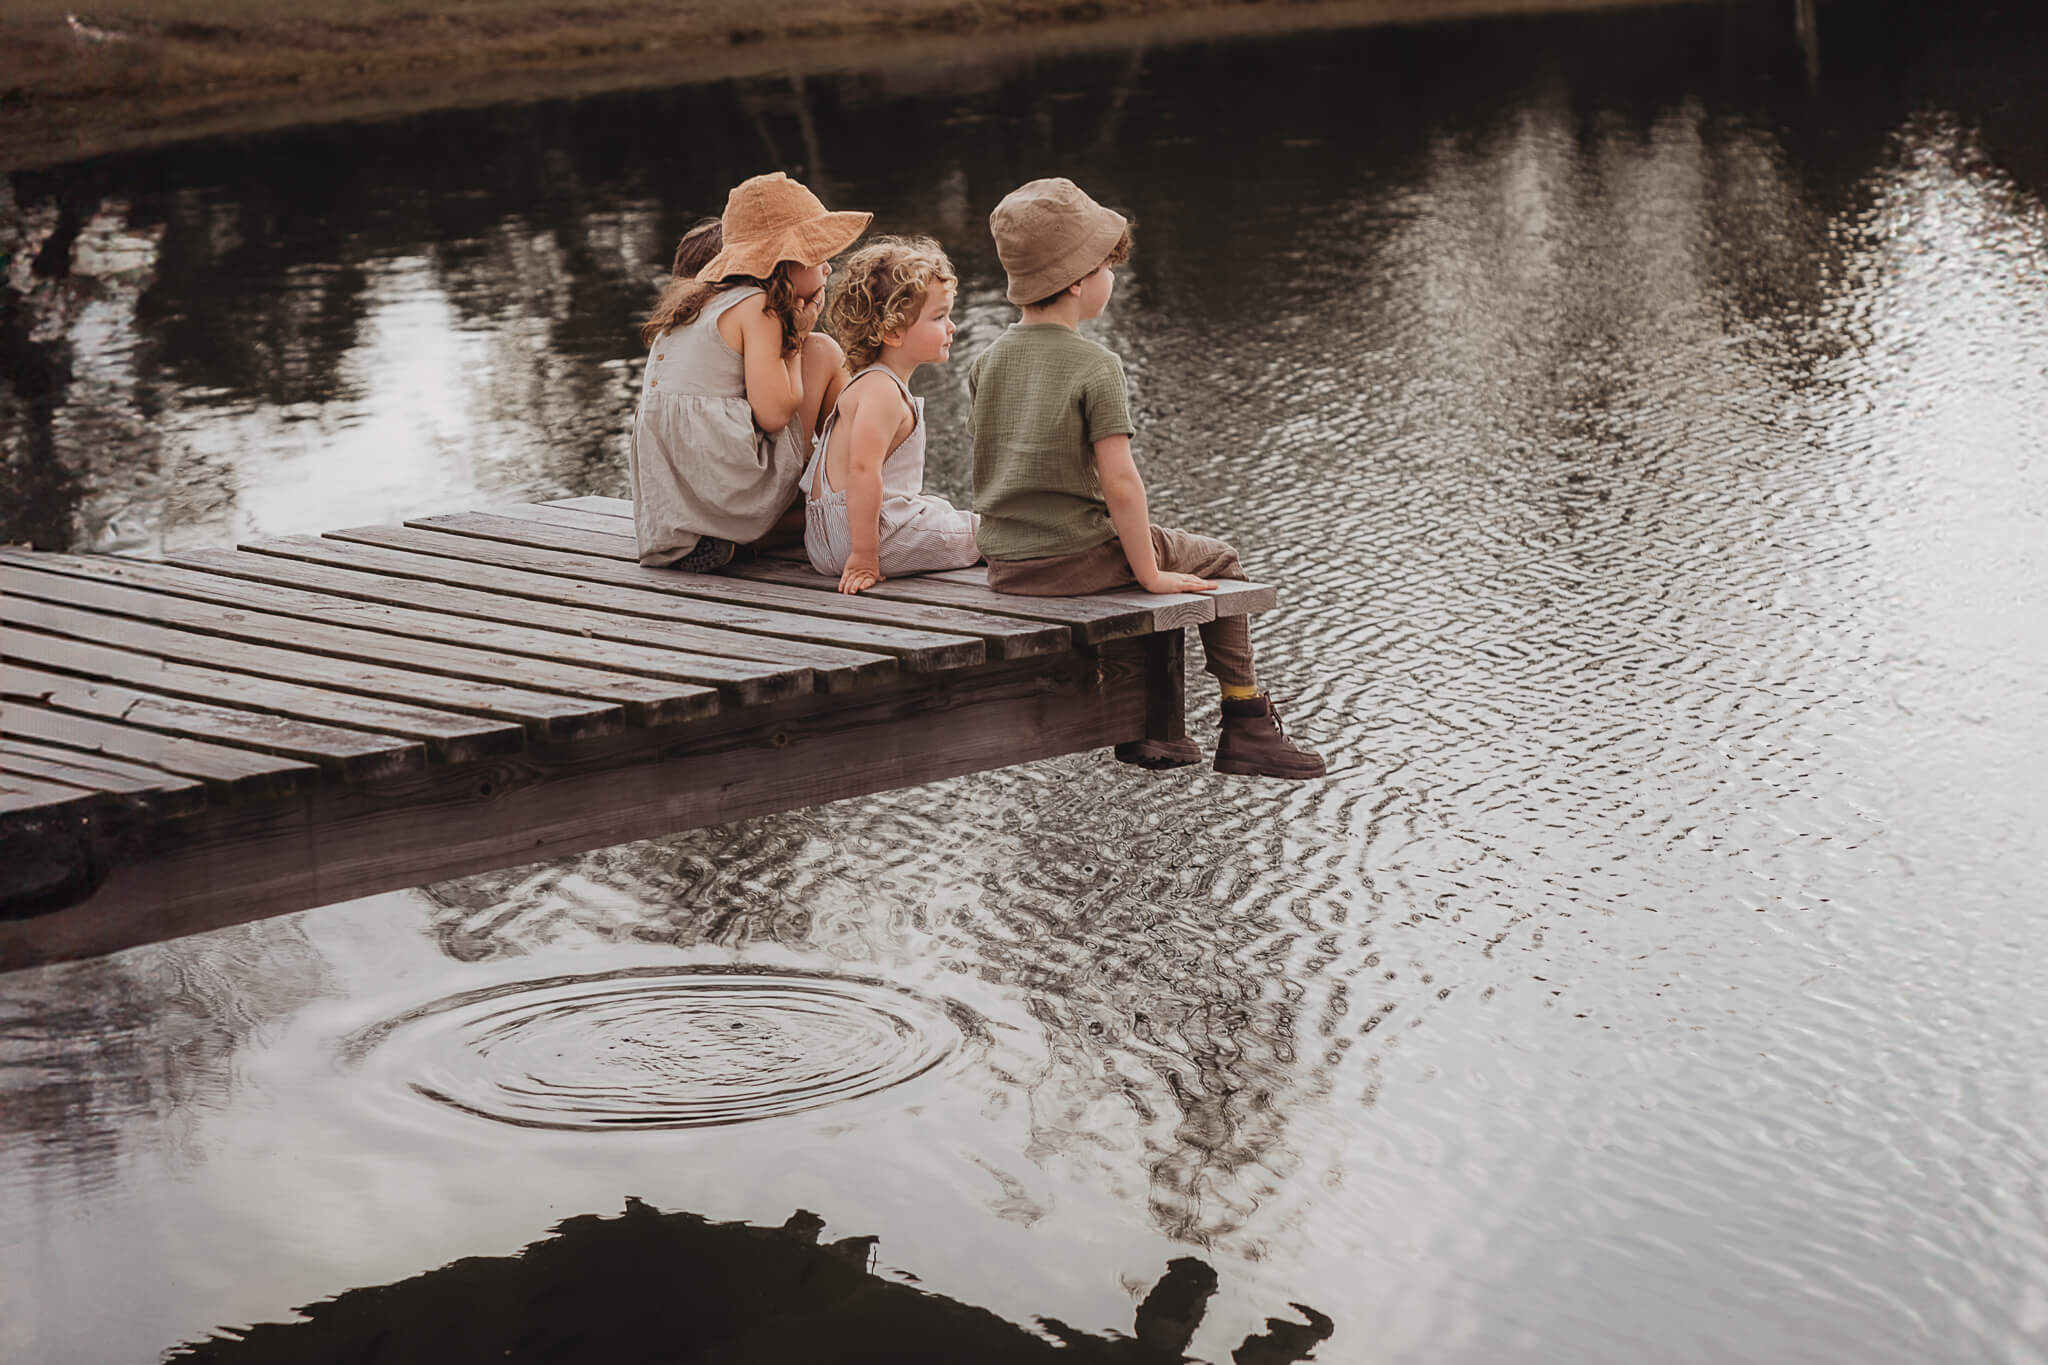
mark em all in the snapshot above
pixel 815 477
pixel 878 365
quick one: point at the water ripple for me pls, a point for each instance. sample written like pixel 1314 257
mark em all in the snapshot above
pixel 661 1048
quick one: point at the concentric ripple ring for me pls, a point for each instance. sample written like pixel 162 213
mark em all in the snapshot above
pixel 659 1048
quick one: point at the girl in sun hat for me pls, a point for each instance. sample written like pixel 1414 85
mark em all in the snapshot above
pixel 735 377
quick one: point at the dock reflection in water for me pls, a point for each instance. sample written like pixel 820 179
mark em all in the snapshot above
pixel 1647 440
pixel 653 1286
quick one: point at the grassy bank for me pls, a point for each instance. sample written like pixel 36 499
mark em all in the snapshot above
pixel 80 81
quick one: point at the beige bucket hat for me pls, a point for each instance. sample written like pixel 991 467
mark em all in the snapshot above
pixel 1049 234
pixel 770 219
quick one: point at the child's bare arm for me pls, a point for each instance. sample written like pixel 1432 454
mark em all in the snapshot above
pixel 874 427
pixel 1124 491
pixel 775 385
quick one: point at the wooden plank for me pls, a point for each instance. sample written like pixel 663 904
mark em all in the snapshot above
pixel 454 738
pixel 1093 620
pixel 612 507
pixel 834 668
pixel 519 531
pixel 544 715
pixel 1232 597
pixel 914 650
pixel 21 794
pixel 155 592
pixel 229 774
pixel 549 801
pixel 746 682
pixel 554 514
pixel 352 755
pixel 1004 637
pixel 167 794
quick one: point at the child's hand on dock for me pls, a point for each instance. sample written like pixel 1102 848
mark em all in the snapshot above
pixel 1165 582
pixel 862 571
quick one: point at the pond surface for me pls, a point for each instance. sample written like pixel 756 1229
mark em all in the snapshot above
pixel 1649 438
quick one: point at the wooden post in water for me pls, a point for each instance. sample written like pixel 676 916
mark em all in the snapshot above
pixel 1166 684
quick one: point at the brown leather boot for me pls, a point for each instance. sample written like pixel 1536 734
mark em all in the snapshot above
pixel 1254 745
pixel 1160 753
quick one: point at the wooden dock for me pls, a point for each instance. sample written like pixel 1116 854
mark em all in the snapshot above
pixel 231 734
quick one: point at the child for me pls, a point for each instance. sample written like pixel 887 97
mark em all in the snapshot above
pixel 735 377
pixel 1062 505
pixel 868 517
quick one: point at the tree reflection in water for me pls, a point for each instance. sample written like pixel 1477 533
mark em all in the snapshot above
pixel 1147 959
pixel 470 279
pixel 103 1059
pixel 674 1287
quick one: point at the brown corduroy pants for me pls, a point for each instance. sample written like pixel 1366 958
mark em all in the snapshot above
pixel 1226 641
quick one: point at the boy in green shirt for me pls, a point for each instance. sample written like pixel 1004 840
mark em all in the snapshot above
pixel 1061 501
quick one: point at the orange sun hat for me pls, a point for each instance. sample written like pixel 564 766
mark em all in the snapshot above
pixel 770 219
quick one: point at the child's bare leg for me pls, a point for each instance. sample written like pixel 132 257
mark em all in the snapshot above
pixel 824 376
pixel 824 372
pixel 788 529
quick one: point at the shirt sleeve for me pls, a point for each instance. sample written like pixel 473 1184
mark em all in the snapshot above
pixel 1106 401
pixel 973 383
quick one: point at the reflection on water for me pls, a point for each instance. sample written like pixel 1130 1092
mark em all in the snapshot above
pixel 1648 442
pixel 652 1286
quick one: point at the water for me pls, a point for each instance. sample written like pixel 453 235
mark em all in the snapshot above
pixel 1648 440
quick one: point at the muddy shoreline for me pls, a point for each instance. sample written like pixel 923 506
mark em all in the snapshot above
pixel 75 84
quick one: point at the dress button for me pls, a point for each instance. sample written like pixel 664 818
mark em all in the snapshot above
pixel 654 383
pixel 661 357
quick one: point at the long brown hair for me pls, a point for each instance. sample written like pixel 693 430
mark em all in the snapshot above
pixel 684 296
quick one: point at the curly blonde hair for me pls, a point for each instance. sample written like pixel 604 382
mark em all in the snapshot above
pixel 881 289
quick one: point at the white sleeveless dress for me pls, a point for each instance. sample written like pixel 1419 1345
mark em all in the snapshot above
pixel 700 465
pixel 920 532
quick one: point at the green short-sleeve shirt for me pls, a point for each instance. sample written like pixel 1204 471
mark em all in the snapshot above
pixel 1043 395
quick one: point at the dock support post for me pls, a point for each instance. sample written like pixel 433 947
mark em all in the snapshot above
pixel 1166 690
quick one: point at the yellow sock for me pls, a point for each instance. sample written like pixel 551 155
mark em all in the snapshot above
pixel 1240 691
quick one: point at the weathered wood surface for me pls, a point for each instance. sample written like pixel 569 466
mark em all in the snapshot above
pixel 1005 637
pixel 646 701
pixel 239 733
pixel 546 716
pixel 921 651
pixel 352 755
pixel 836 669
pixel 452 737
pixel 742 681
pixel 165 792
pixel 232 774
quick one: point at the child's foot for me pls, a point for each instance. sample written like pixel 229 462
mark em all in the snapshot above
pixel 711 553
pixel 1253 744
pixel 1160 753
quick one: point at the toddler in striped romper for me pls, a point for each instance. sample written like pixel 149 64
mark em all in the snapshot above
pixel 867 516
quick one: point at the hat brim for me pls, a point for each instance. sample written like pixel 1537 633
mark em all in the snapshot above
pixel 812 242
pixel 1105 229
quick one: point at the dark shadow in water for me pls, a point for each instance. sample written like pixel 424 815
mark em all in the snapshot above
pixel 674 1287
